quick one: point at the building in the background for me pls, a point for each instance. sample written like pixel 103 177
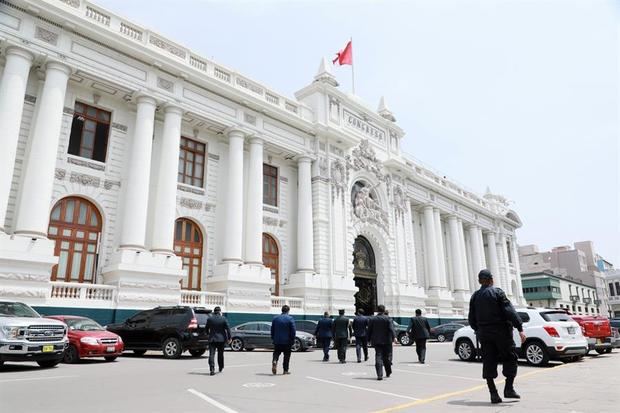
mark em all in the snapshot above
pixel 580 263
pixel 612 278
pixel 135 173
pixel 546 289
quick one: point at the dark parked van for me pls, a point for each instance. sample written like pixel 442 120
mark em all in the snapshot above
pixel 172 330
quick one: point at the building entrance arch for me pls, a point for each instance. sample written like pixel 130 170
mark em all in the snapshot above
pixel 365 276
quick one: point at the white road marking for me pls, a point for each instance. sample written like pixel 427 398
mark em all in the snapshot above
pixel 438 375
pixel 37 378
pixel 211 401
pixel 362 388
pixel 354 373
pixel 237 365
pixel 258 385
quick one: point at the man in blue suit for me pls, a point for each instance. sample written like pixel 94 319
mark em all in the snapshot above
pixel 360 331
pixel 323 333
pixel 283 336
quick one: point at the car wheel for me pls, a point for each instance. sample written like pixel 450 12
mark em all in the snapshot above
pixel 441 338
pixel 296 345
pixel 465 350
pixel 110 359
pixel 608 350
pixel 71 355
pixel 139 352
pixel 48 363
pixel 197 353
pixel 172 348
pixel 404 339
pixel 236 344
pixel 536 354
pixel 600 350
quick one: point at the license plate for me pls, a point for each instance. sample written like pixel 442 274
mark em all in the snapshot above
pixel 47 349
pixel 110 349
pixel 571 330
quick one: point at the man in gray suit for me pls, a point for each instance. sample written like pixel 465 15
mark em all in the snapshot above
pixel 219 334
pixel 420 331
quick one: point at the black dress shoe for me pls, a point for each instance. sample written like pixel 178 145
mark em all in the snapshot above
pixel 495 398
pixel 221 368
pixel 379 378
pixel 388 374
pixel 359 361
pixel 511 394
pixel 212 373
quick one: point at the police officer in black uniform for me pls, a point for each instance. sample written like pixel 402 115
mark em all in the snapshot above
pixel 493 317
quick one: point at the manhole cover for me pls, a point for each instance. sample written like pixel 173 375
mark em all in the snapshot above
pixel 258 385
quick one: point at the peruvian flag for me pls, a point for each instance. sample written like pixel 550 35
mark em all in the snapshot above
pixel 345 56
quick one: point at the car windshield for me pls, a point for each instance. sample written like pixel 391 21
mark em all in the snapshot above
pixel 83 324
pixel 17 310
pixel 555 316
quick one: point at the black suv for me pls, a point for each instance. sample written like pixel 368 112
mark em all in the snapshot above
pixel 170 329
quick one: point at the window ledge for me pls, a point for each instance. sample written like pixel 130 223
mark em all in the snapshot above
pixel 271 209
pixel 190 188
pixel 85 162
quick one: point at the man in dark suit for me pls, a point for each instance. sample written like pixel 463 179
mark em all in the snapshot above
pixel 219 334
pixel 283 336
pixel 323 333
pixel 381 335
pixel 360 331
pixel 419 331
pixel 340 330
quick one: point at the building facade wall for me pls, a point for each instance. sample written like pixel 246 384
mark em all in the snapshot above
pixel 430 236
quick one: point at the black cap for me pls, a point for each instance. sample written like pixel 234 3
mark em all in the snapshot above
pixel 485 275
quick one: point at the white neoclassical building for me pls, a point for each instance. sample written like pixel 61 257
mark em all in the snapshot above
pixel 136 173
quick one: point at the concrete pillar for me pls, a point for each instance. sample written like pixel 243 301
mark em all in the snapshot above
pixel 164 210
pixel 254 215
pixel 12 91
pixel 38 181
pixel 493 259
pixel 233 230
pixel 430 248
pixel 457 265
pixel 305 232
pixel 441 254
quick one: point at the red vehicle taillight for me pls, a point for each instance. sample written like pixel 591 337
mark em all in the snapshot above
pixel 551 331
pixel 193 324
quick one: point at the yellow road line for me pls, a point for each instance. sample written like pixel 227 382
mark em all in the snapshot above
pixel 460 392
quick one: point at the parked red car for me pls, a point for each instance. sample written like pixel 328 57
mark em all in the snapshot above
pixel 89 339
pixel 597 329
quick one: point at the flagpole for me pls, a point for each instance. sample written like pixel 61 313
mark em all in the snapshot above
pixel 352 69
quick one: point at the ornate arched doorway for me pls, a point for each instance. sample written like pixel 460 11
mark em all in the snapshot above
pixel 365 276
pixel 75 226
pixel 271 260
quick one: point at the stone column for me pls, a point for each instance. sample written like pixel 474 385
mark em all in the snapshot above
pixel 493 260
pixel 254 215
pixel 483 259
pixel 164 210
pixel 463 251
pixel 305 240
pixel 38 181
pixel 430 248
pixel 135 204
pixel 504 254
pixel 457 255
pixel 12 91
pixel 474 242
pixel 233 230
pixel 441 255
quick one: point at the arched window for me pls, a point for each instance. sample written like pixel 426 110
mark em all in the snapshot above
pixel 271 259
pixel 75 226
pixel 188 246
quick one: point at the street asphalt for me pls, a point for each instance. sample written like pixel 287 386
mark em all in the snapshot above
pixel 152 384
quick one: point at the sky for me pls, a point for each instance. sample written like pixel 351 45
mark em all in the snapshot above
pixel 520 96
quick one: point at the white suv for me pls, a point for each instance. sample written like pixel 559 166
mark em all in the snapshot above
pixel 550 335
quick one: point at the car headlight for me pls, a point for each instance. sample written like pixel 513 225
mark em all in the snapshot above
pixel 12 332
pixel 89 340
pixel 120 340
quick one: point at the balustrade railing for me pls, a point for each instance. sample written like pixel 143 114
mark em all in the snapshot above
pixel 84 292
pixel 203 298
pixel 295 303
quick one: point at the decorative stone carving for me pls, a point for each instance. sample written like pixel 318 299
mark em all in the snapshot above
pixel 165 84
pixel 214 157
pixel 334 109
pixel 190 203
pixel 22 292
pixel 322 166
pixel 270 221
pixel 72 3
pixel 86 180
pixel 338 178
pixel 367 209
pixel 336 150
pixel 249 85
pixel 22 276
pixel 108 184
pixel 60 174
pixel 399 200
pixel 68 111
pixel 167 46
pixel 46 35
pixel 251 119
